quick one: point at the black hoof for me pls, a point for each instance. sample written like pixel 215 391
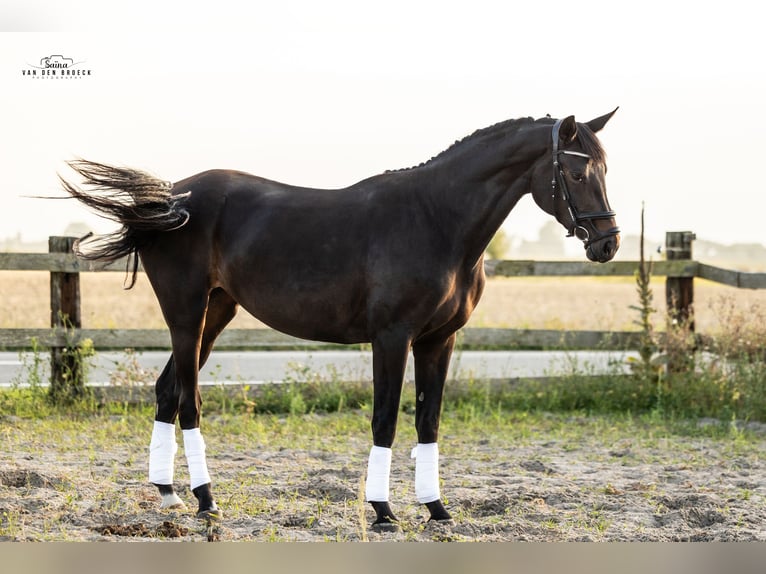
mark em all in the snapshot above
pixel 385 521
pixel 208 510
pixel 439 514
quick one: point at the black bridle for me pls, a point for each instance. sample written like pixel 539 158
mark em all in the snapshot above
pixel 578 217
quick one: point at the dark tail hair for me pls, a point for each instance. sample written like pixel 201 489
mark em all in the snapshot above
pixel 142 203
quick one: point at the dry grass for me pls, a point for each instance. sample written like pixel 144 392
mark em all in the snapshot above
pixel 599 303
pixel 526 302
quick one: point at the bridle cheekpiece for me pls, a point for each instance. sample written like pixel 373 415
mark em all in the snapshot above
pixel 578 218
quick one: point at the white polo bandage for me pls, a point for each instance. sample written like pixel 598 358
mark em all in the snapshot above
pixel 162 451
pixel 194 448
pixel 378 471
pixel 426 472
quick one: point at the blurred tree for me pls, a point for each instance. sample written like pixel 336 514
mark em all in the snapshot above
pixel 499 246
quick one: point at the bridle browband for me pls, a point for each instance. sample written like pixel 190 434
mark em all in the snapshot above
pixel 578 217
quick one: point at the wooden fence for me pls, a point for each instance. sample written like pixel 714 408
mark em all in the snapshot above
pixel 66 329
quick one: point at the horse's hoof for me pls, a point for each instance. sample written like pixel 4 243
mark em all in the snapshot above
pixel 385 527
pixel 385 521
pixel 171 500
pixel 210 515
pixel 438 512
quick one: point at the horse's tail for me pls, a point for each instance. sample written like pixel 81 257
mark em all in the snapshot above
pixel 142 203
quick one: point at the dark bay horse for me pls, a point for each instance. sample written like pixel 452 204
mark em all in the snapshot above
pixel 395 260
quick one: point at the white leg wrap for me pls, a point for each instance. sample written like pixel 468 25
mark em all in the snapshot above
pixel 194 447
pixel 378 471
pixel 162 451
pixel 426 472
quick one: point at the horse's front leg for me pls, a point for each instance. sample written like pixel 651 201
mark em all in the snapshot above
pixel 431 363
pixel 389 359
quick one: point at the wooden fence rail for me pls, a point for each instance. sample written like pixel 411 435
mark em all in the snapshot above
pixel 679 269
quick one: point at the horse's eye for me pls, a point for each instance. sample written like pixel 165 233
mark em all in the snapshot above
pixel 578 177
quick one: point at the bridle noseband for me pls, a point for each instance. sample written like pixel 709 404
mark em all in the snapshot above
pixel 558 182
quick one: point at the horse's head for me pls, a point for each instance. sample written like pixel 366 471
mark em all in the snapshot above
pixel 569 183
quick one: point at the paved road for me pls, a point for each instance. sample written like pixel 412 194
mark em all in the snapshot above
pixel 272 366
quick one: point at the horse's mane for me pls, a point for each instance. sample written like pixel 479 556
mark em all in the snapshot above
pixel 588 140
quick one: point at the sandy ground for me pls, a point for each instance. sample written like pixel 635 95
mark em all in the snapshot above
pixel 547 489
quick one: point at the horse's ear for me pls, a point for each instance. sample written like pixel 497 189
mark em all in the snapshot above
pixel 598 123
pixel 567 130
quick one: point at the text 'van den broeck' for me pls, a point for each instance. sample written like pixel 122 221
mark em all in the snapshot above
pixel 54 72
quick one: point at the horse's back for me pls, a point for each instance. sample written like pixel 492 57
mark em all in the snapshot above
pixel 284 253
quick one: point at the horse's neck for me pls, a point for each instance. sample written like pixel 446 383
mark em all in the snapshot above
pixel 480 187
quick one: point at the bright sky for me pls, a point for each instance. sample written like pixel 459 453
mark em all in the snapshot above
pixel 326 93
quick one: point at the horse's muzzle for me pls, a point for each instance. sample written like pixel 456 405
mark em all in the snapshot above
pixel 604 249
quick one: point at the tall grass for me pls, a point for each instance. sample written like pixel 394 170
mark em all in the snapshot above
pixel 728 387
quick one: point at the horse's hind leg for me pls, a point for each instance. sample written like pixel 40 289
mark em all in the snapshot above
pixel 163 446
pixel 431 364
pixel 221 309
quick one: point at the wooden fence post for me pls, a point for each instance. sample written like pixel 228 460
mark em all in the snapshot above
pixel 679 297
pixel 679 291
pixel 66 366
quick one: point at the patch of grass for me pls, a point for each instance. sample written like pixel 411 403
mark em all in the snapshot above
pixel 725 389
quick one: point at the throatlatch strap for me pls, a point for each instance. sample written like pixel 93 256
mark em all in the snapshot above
pixel 162 451
pixel 378 472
